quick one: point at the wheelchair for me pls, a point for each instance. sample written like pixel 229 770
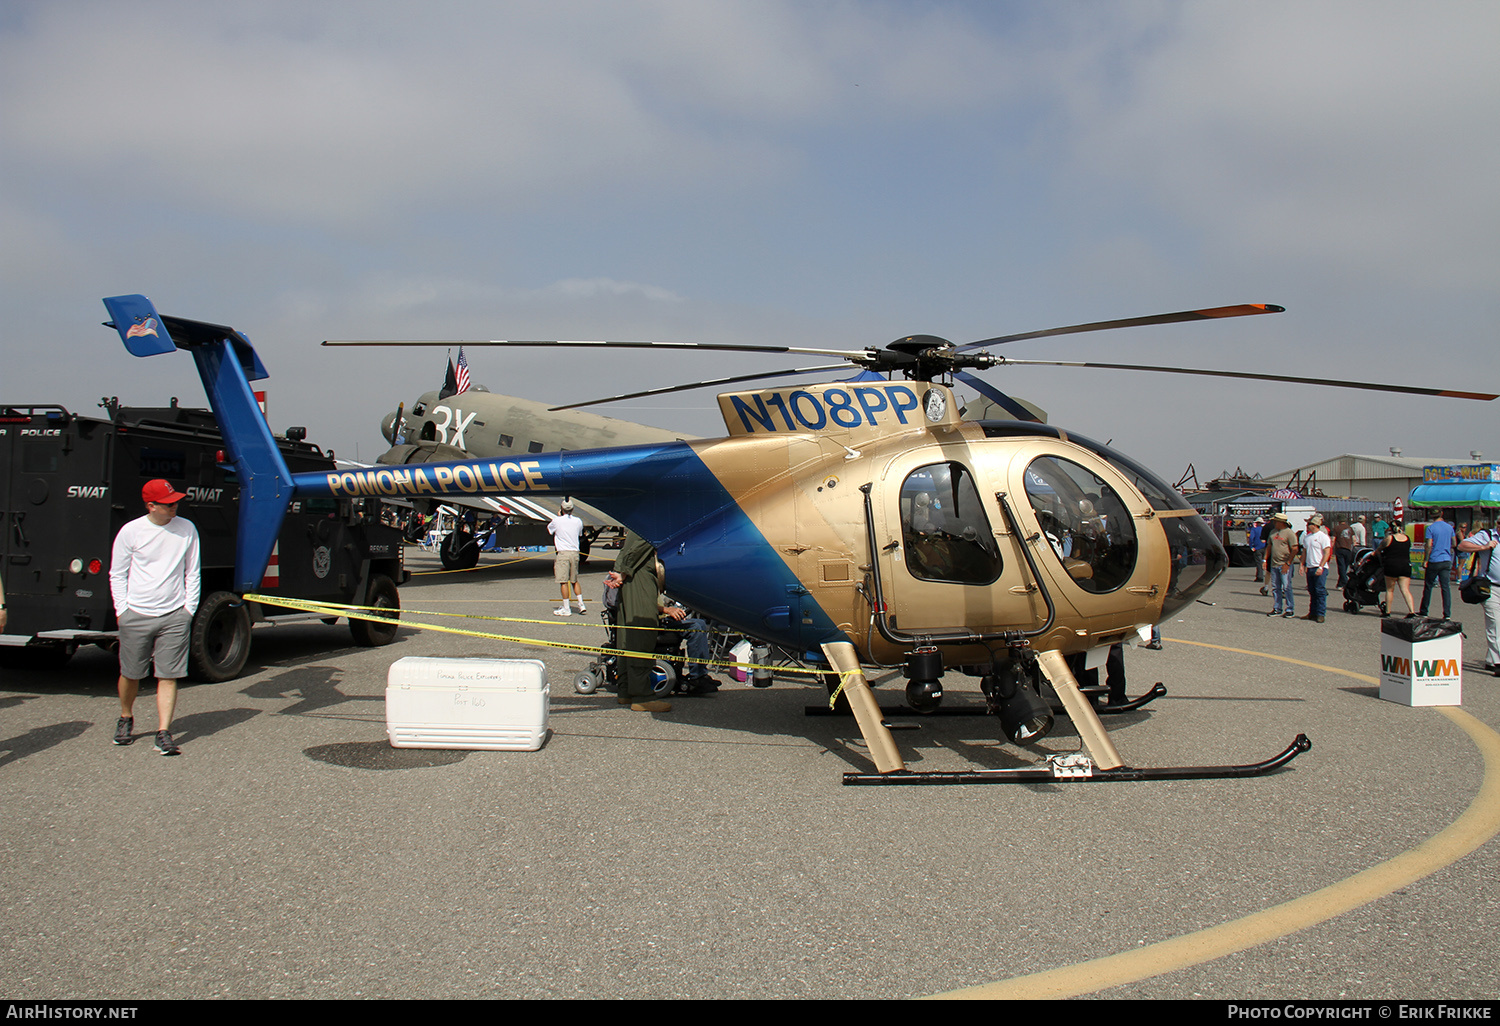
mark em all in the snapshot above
pixel 605 672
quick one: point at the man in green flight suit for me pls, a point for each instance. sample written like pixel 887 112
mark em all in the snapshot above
pixel 636 574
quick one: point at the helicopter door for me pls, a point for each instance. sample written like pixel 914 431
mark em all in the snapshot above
pixel 1092 548
pixel 943 571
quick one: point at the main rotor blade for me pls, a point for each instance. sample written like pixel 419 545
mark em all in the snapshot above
pixel 1333 382
pixel 1004 401
pixel 699 384
pixel 1243 310
pixel 728 347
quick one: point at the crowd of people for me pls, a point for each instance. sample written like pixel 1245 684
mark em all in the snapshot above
pixel 1445 545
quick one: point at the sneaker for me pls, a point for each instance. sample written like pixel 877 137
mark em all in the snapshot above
pixel 1275 612
pixel 651 707
pixel 1288 613
pixel 582 609
pixel 1154 646
pixel 124 730
pixel 164 743
pixel 562 611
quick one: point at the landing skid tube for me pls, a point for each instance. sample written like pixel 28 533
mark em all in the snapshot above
pixel 1079 768
pixel 1157 691
pixel 894 711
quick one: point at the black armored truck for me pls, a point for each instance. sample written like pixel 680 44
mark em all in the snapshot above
pixel 68 483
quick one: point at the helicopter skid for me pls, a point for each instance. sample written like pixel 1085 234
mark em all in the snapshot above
pixel 905 711
pixel 1157 691
pixel 1079 768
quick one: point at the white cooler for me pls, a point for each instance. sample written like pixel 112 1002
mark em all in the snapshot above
pixel 497 704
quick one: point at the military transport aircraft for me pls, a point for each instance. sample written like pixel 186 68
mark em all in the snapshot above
pixel 479 424
pixel 864 523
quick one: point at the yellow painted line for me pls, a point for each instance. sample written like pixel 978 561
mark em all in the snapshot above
pixel 1281 659
pixel 1478 824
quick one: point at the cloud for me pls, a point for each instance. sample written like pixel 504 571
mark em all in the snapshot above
pixel 1345 134
pixel 361 114
pixel 581 288
pixel 835 173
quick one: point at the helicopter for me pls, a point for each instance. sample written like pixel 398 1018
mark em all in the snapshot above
pixel 865 523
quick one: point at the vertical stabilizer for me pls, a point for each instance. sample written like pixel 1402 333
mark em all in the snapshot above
pixel 226 363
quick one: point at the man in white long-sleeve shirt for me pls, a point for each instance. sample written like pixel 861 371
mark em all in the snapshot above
pixel 154 578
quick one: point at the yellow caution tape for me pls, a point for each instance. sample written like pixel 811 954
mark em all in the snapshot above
pixel 477 566
pixel 384 615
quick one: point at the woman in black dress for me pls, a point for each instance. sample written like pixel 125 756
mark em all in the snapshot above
pixel 1395 560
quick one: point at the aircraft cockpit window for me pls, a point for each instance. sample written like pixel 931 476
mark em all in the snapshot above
pixel 944 528
pixel 1161 495
pixel 1084 521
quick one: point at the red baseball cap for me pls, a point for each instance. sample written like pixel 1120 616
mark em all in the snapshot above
pixel 160 491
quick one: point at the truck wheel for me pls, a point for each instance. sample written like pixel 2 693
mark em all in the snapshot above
pixel 220 640
pixel 458 551
pixel 374 633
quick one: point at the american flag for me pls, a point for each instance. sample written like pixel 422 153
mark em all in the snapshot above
pixel 462 380
pixel 147 327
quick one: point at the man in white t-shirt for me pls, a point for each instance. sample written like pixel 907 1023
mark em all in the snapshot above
pixel 154 573
pixel 1317 550
pixel 566 529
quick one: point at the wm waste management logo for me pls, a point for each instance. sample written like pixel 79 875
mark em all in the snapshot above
pixel 1424 671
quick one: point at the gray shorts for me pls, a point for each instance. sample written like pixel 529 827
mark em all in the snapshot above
pixel 163 639
pixel 565 568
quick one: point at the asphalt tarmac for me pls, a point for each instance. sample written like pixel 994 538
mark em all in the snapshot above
pixel 712 852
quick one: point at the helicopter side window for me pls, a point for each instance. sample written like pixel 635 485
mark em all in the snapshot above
pixel 944 529
pixel 1084 521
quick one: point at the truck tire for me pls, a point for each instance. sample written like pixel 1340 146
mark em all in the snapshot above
pixel 459 551
pixel 374 633
pixel 219 642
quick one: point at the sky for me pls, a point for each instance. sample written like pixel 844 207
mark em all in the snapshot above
pixel 817 174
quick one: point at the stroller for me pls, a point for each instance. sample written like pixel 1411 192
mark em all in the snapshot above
pixel 1365 585
pixel 605 671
